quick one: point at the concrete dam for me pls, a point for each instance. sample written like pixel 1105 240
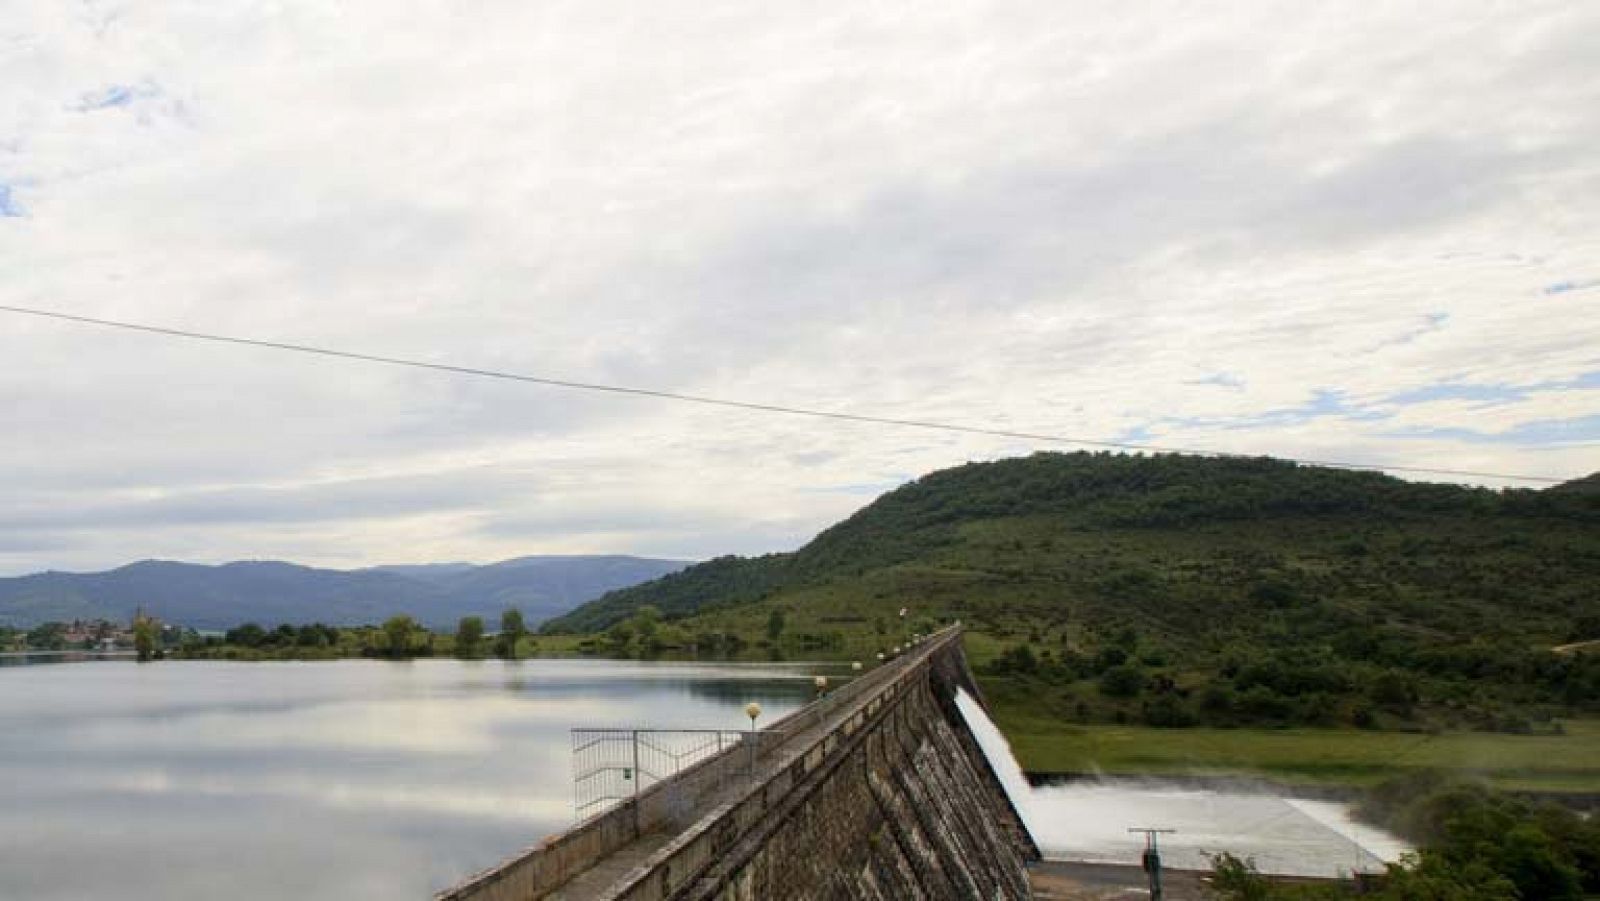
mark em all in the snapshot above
pixel 876 791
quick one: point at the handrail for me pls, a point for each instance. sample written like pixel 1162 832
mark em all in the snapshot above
pixel 687 856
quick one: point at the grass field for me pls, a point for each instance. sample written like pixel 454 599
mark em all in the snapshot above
pixel 1554 763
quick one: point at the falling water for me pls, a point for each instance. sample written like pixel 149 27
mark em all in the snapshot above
pixel 1087 820
pixel 1001 760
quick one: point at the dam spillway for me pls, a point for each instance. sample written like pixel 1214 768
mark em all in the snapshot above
pixel 877 791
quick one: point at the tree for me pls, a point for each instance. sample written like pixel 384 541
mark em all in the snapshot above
pixel 249 635
pixel 669 636
pixel 1238 880
pixel 469 632
pixel 1017 659
pixel 1430 876
pixel 146 636
pixel 397 635
pixel 1110 657
pixel 1424 876
pixel 1395 690
pixel 311 636
pixel 1121 681
pixel 512 629
pixel 48 637
pixel 775 624
pixel 645 621
pixel 1474 834
pixel 1535 866
pixel 620 636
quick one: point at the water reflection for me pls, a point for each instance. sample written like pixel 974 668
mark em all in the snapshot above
pixel 25 658
pixel 315 780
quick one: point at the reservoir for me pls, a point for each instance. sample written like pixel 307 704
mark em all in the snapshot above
pixel 316 780
pixel 362 778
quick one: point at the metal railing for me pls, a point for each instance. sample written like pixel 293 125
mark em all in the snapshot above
pixel 610 766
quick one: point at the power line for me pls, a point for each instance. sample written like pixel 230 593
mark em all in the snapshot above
pixel 735 404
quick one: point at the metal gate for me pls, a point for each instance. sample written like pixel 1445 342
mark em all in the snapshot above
pixel 610 766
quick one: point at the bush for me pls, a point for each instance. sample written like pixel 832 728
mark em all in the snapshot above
pixel 249 635
pixel 1122 681
pixel 1542 852
pixel 1018 659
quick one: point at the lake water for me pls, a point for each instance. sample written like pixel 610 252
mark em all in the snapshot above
pixel 367 779
pixel 319 780
pixel 1088 820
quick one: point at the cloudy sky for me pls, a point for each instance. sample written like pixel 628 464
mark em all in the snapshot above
pixel 1363 232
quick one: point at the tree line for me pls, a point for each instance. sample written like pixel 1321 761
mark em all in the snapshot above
pixel 398 637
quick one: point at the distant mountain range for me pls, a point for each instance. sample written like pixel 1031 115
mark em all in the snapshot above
pixel 271 592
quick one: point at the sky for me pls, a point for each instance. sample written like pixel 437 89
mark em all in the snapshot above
pixel 1358 232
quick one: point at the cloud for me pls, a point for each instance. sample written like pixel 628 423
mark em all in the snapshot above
pixel 1221 380
pixel 1577 430
pixel 1449 391
pixel 114 96
pixel 334 500
pixel 1366 229
pixel 1571 285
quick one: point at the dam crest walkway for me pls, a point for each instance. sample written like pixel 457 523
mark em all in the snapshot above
pixel 876 791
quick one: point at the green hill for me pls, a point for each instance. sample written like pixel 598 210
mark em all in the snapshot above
pixel 1589 484
pixel 1177 590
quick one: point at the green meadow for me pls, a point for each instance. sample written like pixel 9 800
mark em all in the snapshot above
pixel 1547 763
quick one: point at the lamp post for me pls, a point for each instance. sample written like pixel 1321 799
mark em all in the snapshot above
pixel 752 710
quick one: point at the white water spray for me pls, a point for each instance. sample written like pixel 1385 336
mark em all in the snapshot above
pixel 1087 820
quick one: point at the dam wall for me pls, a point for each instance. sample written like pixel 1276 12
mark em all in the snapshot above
pixel 878 791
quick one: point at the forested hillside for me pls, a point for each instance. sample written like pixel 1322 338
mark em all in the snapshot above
pixel 1178 590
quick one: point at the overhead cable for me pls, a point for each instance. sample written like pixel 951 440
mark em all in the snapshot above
pixel 738 404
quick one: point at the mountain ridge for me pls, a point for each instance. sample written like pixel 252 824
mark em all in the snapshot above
pixel 223 595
